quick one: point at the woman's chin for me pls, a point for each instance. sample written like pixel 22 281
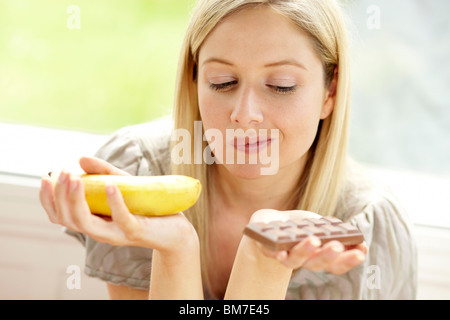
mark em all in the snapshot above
pixel 246 171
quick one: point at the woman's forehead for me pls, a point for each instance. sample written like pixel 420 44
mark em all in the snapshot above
pixel 258 35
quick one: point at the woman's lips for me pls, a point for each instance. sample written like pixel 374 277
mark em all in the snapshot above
pixel 251 144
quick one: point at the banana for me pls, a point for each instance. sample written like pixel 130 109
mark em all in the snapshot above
pixel 143 195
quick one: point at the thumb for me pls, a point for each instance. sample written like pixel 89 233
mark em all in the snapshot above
pixel 93 165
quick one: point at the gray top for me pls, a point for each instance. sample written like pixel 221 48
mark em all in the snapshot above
pixel 389 271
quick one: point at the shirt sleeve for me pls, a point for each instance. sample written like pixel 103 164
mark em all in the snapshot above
pixel 138 150
pixel 389 271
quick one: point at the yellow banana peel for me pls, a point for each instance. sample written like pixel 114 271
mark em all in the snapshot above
pixel 143 195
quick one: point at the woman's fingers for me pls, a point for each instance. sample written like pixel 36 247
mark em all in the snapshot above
pixel 72 210
pixel 79 212
pixel 46 198
pixel 121 216
pixel 94 165
pixel 331 257
pixel 60 192
pixel 324 256
pixel 300 253
pixel 65 204
pixel 334 258
pixel 346 261
pixel 309 254
pixel 64 201
pixel 362 247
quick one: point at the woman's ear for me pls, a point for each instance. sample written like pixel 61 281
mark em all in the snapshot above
pixel 330 96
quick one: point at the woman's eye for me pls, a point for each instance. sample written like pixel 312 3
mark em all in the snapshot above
pixel 223 86
pixel 282 90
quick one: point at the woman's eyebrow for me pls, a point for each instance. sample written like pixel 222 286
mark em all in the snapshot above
pixel 217 60
pixel 290 62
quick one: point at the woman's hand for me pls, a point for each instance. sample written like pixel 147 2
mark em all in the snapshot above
pixel 332 257
pixel 65 204
pixel 173 237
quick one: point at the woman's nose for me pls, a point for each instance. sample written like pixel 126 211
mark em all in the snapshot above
pixel 247 110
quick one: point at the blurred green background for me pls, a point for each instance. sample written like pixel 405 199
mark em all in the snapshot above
pixel 89 65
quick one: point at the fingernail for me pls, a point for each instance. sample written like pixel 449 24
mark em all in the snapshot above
pixel 110 190
pixel 360 257
pixel 44 178
pixel 337 247
pixel 62 177
pixel 281 255
pixel 315 242
pixel 73 185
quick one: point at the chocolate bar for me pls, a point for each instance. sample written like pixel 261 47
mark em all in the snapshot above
pixel 283 235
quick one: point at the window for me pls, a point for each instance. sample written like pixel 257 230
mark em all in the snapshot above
pixel 400 113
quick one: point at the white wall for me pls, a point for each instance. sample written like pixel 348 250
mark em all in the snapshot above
pixel 34 253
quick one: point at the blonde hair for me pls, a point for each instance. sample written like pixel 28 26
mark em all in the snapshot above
pixel 323 179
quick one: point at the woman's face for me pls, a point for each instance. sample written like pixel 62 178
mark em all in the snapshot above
pixel 257 70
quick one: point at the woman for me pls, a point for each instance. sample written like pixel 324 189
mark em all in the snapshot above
pixel 251 68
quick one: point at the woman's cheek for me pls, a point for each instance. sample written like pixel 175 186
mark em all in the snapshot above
pixel 215 109
pixel 206 107
pixel 298 123
pixel 210 119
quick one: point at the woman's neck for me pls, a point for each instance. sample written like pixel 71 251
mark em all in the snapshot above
pixel 279 192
